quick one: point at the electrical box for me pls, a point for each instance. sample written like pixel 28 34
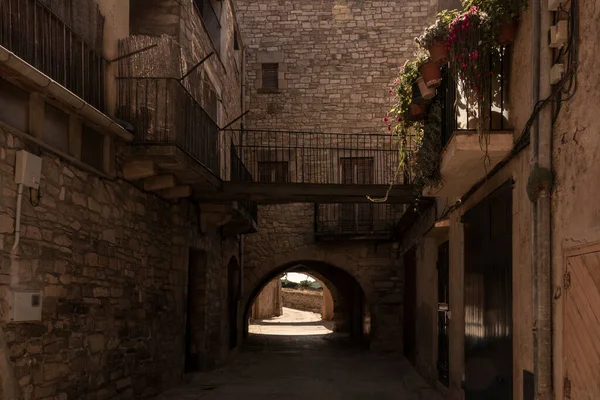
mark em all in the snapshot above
pixel 28 169
pixel 559 34
pixel 26 306
pixel 556 73
pixel 553 5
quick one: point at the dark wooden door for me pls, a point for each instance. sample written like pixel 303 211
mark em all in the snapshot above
pixel 443 267
pixel 488 298
pixel 233 299
pixel 410 305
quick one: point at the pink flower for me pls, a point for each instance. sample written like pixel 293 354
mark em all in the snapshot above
pixel 389 127
pixel 386 119
pixel 490 73
pixel 475 55
pixel 476 88
pixel 463 66
pixel 399 119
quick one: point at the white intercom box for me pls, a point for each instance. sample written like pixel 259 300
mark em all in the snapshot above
pixel 25 306
pixel 28 169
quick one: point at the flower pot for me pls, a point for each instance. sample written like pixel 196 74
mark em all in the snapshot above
pixel 416 94
pixel 507 33
pixel 431 74
pixel 427 93
pixel 417 111
pixel 438 53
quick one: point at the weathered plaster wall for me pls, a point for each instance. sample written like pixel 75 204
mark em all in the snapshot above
pixel 111 263
pixel 304 300
pixel 519 99
pixel 576 150
pixel 269 302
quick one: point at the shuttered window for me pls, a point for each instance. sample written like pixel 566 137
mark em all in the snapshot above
pixel 273 172
pixel 270 76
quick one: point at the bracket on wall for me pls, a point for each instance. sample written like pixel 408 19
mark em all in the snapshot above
pixel 133 53
pixel 195 67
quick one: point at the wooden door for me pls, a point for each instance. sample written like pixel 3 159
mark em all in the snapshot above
pixel 443 267
pixel 357 217
pixel 488 297
pixel 582 325
pixel 410 306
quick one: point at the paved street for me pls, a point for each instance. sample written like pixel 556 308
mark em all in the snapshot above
pixel 297 357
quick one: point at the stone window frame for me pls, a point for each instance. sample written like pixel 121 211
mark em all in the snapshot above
pixel 75 127
pixel 270 57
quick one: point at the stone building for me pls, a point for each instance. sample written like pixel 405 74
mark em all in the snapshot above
pixel 503 255
pixel 325 68
pixel 114 281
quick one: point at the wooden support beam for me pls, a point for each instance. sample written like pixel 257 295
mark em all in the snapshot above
pixel 140 169
pixel 177 192
pixel 37 107
pixel 159 182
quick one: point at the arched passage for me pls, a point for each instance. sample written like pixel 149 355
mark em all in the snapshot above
pixel 349 298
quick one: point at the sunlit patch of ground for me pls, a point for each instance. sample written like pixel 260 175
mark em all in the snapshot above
pixel 292 323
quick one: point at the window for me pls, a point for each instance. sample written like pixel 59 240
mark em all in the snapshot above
pixel 14 106
pixel 357 170
pixel 56 128
pixel 211 21
pixel 356 217
pixel 270 76
pixel 92 148
pixel 273 172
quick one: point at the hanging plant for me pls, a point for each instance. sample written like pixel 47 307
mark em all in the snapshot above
pixel 429 142
pixel 473 51
pixel 436 35
pixel 503 15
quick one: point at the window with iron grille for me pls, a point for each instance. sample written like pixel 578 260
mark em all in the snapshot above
pixel 270 76
pixel 273 171
pixel 211 21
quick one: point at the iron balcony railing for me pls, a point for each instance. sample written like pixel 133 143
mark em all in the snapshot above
pixel 163 112
pixel 33 32
pixel 239 173
pixel 352 220
pixel 320 158
pixel 460 114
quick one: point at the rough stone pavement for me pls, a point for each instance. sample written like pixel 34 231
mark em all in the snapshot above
pixel 304 360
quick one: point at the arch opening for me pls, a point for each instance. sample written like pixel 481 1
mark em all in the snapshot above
pixel 347 314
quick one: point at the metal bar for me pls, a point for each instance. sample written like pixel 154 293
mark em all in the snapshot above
pixel 133 53
pixel 195 67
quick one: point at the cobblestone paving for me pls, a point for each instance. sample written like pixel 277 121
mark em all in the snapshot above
pixel 306 366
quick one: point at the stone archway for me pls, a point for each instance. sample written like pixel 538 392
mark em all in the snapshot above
pixel 375 270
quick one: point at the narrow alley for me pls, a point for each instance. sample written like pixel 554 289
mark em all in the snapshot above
pixel 297 357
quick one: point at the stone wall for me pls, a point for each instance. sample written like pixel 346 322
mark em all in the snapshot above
pixel 336 59
pixel 305 300
pixel 111 263
pixel 178 22
pixel 285 241
pixel 269 302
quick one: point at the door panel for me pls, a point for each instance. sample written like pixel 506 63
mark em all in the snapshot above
pixel 582 327
pixel 443 360
pixel 488 298
pixel 410 305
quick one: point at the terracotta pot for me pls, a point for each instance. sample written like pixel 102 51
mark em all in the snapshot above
pixel 427 93
pixel 508 31
pixel 417 111
pixel 431 74
pixel 438 53
pixel 416 95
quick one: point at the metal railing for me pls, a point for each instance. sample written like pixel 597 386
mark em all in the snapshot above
pixel 211 21
pixel 319 158
pixel 239 173
pixel 163 112
pixel 33 32
pixel 364 219
pixel 461 114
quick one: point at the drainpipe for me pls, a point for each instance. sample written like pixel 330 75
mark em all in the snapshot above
pixel 539 189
